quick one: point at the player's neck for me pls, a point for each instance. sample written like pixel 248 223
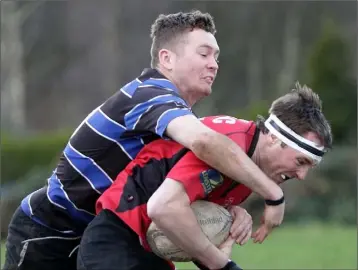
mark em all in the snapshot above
pixel 190 99
pixel 256 156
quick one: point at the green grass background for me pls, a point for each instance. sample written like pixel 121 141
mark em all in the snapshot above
pixel 299 247
pixel 296 247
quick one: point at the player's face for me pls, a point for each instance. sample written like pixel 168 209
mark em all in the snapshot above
pixel 196 64
pixel 284 163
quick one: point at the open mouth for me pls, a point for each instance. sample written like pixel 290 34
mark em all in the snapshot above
pixel 285 177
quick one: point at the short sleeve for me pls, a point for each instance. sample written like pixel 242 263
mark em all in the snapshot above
pixel 198 179
pixel 155 108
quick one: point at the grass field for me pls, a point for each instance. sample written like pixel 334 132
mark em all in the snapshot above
pixel 297 247
pixel 306 247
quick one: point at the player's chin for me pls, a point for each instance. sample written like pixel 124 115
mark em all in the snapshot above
pixel 207 90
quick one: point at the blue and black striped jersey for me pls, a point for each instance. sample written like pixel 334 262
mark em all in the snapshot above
pixel 102 145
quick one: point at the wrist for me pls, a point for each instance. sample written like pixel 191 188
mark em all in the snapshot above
pixel 219 264
pixel 231 266
pixel 214 258
pixel 275 202
pixel 275 193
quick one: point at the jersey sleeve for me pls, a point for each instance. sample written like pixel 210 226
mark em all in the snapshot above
pixel 198 179
pixel 154 109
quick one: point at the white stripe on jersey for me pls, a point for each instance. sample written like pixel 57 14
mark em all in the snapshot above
pixel 68 199
pixel 93 162
pixel 110 139
pixel 135 107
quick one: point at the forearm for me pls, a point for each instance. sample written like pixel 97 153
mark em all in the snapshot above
pixel 179 224
pixel 226 156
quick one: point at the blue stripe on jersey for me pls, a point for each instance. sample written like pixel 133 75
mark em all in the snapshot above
pixel 130 87
pixel 85 166
pixel 57 195
pixel 131 146
pixel 132 117
pixel 105 126
pixel 162 83
pixel 112 130
pixel 167 116
pixel 26 208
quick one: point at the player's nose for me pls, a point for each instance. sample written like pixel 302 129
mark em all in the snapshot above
pixel 213 64
pixel 302 173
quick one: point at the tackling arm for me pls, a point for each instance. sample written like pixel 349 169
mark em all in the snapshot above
pixel 223 154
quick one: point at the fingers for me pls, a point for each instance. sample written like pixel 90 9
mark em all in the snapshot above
pixel 258 234
pixel 241 227
pixel 242 220
pixel 254 234
pixel 261 233
pixel 272 218
pixel 245 238
pixel 243 231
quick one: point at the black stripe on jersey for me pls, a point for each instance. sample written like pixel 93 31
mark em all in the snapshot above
pixel 58 218
pixel 110 155
pixel 145 180
pixel 78 189
pixel 116 106
pixel 150 73
pixel 84 140
pixel 157 112
pixel 118 103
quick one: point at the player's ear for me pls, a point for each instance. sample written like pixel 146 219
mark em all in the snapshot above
pixel 166 58
pixel 272 139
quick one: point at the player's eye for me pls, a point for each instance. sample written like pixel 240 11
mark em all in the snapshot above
pixel 301 162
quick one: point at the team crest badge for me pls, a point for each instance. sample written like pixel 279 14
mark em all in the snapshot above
pixel 210 179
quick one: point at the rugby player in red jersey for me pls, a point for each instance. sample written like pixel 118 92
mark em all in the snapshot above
pixel 165 178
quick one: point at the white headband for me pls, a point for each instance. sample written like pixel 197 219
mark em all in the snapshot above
pixel 292 139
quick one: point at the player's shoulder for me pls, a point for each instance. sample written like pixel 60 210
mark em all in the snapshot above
pixel 226 123
pixel 152 83
pixel 152 91
pixel 149 85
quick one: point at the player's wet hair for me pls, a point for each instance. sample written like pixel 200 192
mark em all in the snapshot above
pixel 167 30
pixel 301 111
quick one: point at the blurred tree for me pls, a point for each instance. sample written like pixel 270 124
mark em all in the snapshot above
pixel 12 88
pixel 291 46
pixel 329 67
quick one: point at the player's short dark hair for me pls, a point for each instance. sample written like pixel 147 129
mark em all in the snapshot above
pixel 167 29
pixel 301 111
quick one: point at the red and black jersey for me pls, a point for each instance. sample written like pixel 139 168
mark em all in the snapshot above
pixel 129 194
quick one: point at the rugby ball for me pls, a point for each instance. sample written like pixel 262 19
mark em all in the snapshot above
pixel 214 220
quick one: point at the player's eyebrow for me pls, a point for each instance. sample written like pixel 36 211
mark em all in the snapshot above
pixel 308 161
pixel 217 50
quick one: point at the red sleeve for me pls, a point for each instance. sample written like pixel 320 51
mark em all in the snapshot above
pixel 198 178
